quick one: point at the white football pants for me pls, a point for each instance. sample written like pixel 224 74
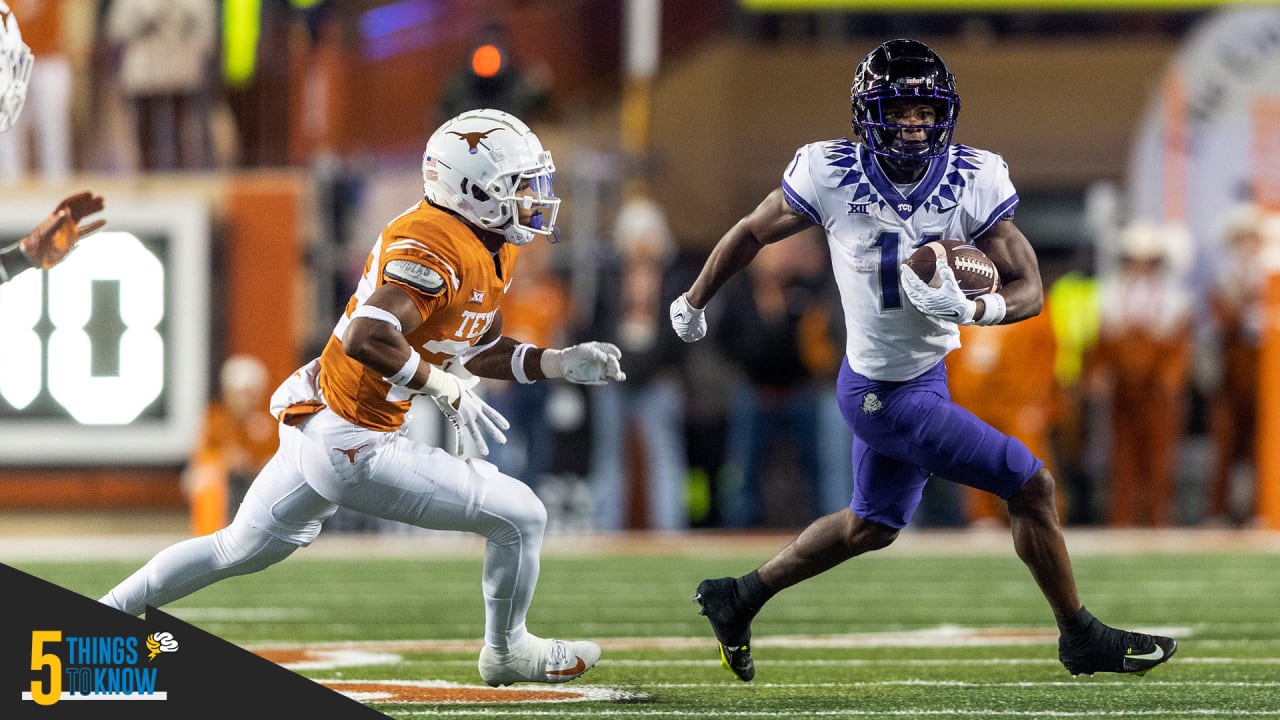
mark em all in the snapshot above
pixel 329 462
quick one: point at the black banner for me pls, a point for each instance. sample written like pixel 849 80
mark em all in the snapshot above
pixel 63 655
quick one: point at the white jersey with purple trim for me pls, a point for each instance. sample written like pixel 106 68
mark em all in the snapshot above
pixel 872 227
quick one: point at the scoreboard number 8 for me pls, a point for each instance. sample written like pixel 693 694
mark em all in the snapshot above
pixel 114 257
pixel 104 358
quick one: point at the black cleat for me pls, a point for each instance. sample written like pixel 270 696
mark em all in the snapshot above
pixel 738 661
pixel 1100 648
pixel 731 623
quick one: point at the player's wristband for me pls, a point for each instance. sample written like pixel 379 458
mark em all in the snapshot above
pixel 992 309
pixel 440 384
pixel 405 375
pixel 517 363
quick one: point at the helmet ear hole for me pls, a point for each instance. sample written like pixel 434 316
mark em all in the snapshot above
pixel 474 190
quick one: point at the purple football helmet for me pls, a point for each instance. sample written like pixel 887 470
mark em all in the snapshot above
pixel 903 69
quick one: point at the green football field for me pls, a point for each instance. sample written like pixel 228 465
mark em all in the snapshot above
pixel 949 627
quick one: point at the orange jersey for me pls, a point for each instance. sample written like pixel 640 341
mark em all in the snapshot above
pixel 41 24
pixel 243 444
pixel 457 286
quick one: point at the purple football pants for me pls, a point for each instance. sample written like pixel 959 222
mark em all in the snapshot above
pixel 903 432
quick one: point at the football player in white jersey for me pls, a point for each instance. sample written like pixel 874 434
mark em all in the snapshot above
pixel 53 238
pixel 425 319
pixel 901 183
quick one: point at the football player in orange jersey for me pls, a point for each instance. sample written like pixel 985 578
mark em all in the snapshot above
pixel 424 320
pixel 53 238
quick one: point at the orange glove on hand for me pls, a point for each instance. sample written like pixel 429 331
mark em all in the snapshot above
pixel 58 234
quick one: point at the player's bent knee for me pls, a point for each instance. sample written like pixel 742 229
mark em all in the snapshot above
pixel 510 501
pixel 1035 496
pixel 243 548
pixel 863 536
pixel 530 515
pixel 880 537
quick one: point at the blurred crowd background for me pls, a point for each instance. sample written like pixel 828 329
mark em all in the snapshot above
pixel 1139 384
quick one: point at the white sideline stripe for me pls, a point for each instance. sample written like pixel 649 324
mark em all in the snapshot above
pixel 575 693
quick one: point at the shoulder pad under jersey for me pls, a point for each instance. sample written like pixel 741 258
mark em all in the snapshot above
pixel 415 275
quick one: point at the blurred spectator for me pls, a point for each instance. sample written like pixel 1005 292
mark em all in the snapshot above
pixel 535 310
pixel 321 89
pixel 1004 374
pixel 238 438
pixel 47 118
pixel 710 379
pixel 821 341
pixel 637 443
pixel 776 406
pixel 1142 366
pixel 1075 316
pixel 492 77
pixel 258 52
pixel 167 57
pixel 1237 301
pixel 111 145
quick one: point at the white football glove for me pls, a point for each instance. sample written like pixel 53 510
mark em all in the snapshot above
pixel 946 302
pixel 588 363
pixel 688 321
pixel 464 409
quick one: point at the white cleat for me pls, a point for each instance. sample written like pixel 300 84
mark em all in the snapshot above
pixel 541 660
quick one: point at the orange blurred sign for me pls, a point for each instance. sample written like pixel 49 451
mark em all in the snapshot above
pixel 1266 151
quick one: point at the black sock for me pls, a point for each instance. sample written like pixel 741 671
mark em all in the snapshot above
pixel 1076 623
pixel 752 591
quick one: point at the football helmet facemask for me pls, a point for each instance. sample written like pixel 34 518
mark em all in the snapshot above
pixel 903 69
pixel 15 68
pixel 487 165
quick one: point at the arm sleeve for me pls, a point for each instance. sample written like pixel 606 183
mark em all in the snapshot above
pixel 799 190
pixel 994 197
pixel 429 281
pixel 13 261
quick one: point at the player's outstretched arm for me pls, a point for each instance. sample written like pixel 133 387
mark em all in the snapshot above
pixel 58 233
pixel 504 358
pixel 772 220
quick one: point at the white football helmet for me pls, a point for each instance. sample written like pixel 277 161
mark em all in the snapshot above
pixel 475 163
pixel 15 68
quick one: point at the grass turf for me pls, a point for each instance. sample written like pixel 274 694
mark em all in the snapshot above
pixel 883 636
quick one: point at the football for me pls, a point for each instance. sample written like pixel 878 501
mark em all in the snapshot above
pixel 974 271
